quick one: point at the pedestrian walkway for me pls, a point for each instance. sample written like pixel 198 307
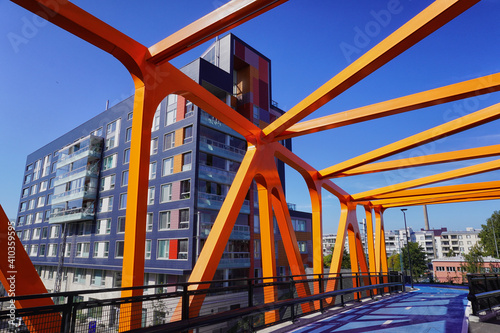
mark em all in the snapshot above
pixel 427 309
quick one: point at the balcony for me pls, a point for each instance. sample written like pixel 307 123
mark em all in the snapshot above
pixel 234 260
pixel 214 201
pixel 216 175
pixel 85 152
pixel 72 215
pixel 240 232
pixel 215 123
pixel 221 149
pixel 75 174
pixel 77 193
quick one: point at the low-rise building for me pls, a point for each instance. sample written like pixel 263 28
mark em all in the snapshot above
pixel 450 269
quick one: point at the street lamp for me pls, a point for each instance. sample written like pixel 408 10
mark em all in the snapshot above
pixel 408 245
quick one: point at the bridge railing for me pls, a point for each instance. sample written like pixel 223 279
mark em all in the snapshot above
pixel 230 305
pixel 484 293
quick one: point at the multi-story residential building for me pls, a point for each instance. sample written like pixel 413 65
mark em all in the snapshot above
pixel 329 240
pixel 428 240
pixel 458 242
pixel 71 216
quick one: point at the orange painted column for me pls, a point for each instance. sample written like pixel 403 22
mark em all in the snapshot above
pixel 380 251
pixel 267 249
pixel 19 277
pixel 317 236
pixel 370 244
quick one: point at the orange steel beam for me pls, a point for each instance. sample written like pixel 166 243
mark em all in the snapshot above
pixel 422 160
pixel 492 185
pixel 448 175
pixel 446 94
pixel 485 195
pixel 222 19
pixel 370 241
pixel 423 24
pixel 452 127
pixel 19 277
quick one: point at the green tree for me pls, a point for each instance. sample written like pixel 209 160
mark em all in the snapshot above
pixel 346 260
pixel 473 261
pixel 486 234
pixel 394 262
pixel 451 253
pixel 418 259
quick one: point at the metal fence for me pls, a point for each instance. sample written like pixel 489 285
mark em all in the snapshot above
pixel 238 305
pixel 484 293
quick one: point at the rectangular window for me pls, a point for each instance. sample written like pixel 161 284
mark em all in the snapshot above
pixel 52 250
pixel 101 249
pixel 36 233
pixel 120 228
pixel 26 234
pixel 22 207
pixel 183 218
pixel 166 193
pixel 39 217
pixel 149 222
pixel 27 179
pixel 98 277
pixel 25 193
pixel 164 222
pixel 34 189
pixel 188 134
pixel 51 182
pixel 108 183
pixel 20 221
pixel 67 250
pixel 29 219
pixel 97 132
pixel 154 146
pixel 82 250
pixel 185 189
pixel 168 166
pixel 148 249
pixel 54 231
pixel 119 246
pixel 171 114
pixel 126 156
pixel 125 178
pixel 182 249
pixel 256 248
pixel 128 134
pixel 302 246
pixel 112 134
pixel 152 170
pixel 189 109
pixel 42 250
pixel 130 116
pixel 36 171
pixel 80 276
pixel 109 162
pixel 31 204
pixel 34 250
pixel 163 247
pixel 44 232
pixel 123 201
pixel 43 186
pixel 103 227
pixel 169 141
pixel 151 195
pixel 117 280
pixel 186 161
pixel 46 166
pixel 156 120
pixel 106 204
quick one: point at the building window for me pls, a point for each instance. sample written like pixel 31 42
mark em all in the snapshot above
pixel 188 134
pixel 98 277
pixel 34 250
pixel 164 222
pixel 108 183
pixel 130 116
pixel 152 170
pixel 302 246
pixel 154 146
pixel 156 120
pixel 185 189
pixel 82 250
pixel 182 249
pixel 83 228
pixel 163 247
pixel 44 232
pixel 46 166
pixel 171 110
pixel 101 249
pixel 125 178
pixel 119 246
pixel 31 204
pixel 106 204
pixel 80 276
pixel 299 225
pixel 22 207
pixel 168 166
pixel 38 217
pixel 67 250
pixel 186 161
pixel 54 231
pixel 148 249
pixel 20 221
pixel 51 182
pixel 52 250
pixel 151 195
pixel 128 134
pixel 25 193
pixel 166 193
pixel 189 109
pixel 126 156
pixel 256 248
pixel 169 141
pixel 112 132
pixel 42 250
pixel 117 280
pixel 34 189
pixel 123 201
pixel 29 219
pixel 120 228
pixel 36 233
pixel 97 132
pixel 26 234
pixel 103 227
pixel 36 171
pixel 183 218
pixel 43 186
pixel 109 162
pixel 149 222
pixel 29 167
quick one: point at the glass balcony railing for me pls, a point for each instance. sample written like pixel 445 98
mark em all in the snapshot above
pixel 71 215
pixel 221 149
pixel 94 151
pixel 77 193
pixel 240 232
pixel 216 175
pixel 235 260
pixel 214 201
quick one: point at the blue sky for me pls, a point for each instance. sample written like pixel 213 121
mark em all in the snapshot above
pixel 53 81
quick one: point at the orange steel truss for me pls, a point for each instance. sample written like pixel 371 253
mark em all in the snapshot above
pixel 155 78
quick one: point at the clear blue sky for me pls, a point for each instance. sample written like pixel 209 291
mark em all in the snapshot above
pixel 53 81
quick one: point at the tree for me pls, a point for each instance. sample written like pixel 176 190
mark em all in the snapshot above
pixel 418 259
pixel 346 260
pixel 473 261
pixel 394 262
pixel 486 234
pixel 451 253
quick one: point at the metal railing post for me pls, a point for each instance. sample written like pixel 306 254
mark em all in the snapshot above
pixel 341 287
pixel 370 280
pixel 66 316
pixel 185 303
pixel 292 294
pixel 358 281
pixel 250 292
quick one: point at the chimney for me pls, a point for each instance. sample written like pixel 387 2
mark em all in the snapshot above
pixel 426 217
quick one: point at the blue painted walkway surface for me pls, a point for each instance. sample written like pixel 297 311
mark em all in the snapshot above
pixel 428 309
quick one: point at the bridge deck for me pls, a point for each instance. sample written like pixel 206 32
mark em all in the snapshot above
pixel 428 309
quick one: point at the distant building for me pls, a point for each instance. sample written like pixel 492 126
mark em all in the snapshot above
pixel 428 240
pixel 460 242
pixel 329 240
pixel 450 269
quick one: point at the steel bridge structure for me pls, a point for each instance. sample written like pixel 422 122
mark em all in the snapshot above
pixel 155 77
